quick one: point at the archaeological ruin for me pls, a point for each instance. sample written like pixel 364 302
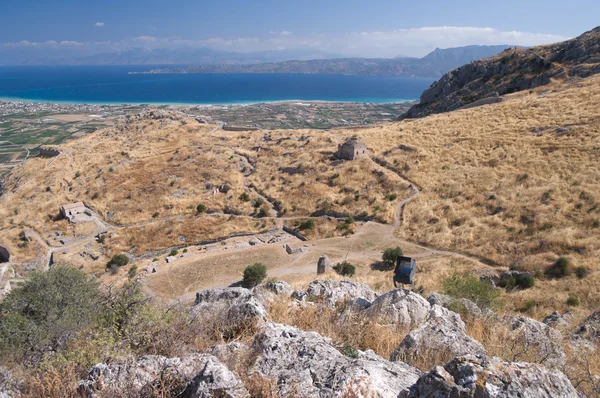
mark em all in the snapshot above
pixel 352 149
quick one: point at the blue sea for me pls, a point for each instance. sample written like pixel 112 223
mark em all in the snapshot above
pixel 113 85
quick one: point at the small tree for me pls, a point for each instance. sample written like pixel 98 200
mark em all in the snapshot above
pixel 470 287
pixel 390 257
pixel 119 260
pixel 559 269
pixel 307 224
pixel 201 208
pixel 345 268
pixel 254 274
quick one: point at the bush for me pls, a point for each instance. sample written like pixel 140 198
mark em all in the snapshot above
pixel 390 257
pixel 48 310
pixel 517 282
pixel 132 271
pixel 156 214
pixel 573 301
pixel 470 287
pixel 244 197
pixel 307 224
pixel 263 212
pixel 582 272
pixel 253 275
pixel 391 197
pixel 345 268
pixel 201 208
pixel 174 252
pixel 119 260
pixel 559 269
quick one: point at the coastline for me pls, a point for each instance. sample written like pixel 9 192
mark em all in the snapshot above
pixel 211 104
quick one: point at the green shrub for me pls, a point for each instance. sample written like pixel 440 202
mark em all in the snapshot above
pixel 470 287
pixel 156 214
pixel 573 301
pixel 307 224
pixel 391 197
pixel 48 310
pixel 253 275
pixel 559 269
pixel 390 257
pixel 77 174
pixel 174 252
pixel 349 351
pixel 244 197
pixel 345 268
pixel 263 212
pixel 132 271
pixel 258 203
pixel 517 282
pixel 201 208
pixel 582 272
pixel 119 260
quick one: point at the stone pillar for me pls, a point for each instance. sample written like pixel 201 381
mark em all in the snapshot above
pixel 322 265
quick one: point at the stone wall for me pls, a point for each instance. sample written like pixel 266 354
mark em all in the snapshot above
pixel 49 152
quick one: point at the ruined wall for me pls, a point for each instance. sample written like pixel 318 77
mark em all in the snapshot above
pixel 49 152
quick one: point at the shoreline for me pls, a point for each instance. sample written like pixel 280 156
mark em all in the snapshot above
pixel 206 104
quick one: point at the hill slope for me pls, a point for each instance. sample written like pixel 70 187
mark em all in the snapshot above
pixel 511 71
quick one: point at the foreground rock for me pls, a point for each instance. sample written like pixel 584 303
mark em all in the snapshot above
pixel 308 365
pixel 193 376
pixel 478 376
pixel 9 386
pixel 442 334
pixel 538 339
pixel 589 329
pixel 463 306
pixel 232 307
pixel 400 308
pixel 333 292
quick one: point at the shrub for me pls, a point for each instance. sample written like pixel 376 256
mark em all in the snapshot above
pixel 156 214
pixel 174 252
pixel 253 275
pixel 48 310
pixel 77 174
pixel 307 224
pixel 201 208
pixel 349 351
pixel 345 268
pixel 391 197
pixel 119 260
pixel 470 287
pixel 572 301
pixel 263 212
pixel 390 257
pixel 517 282
pixel 559 269
pixel 581 272
pixel 244 197
pixel 132 271
pixel 258 203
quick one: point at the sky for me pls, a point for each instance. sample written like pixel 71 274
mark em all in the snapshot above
pixel 366 28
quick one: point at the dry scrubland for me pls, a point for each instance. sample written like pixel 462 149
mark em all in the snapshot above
pixel 149 176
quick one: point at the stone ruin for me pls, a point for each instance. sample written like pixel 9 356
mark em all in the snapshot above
pixel 49 151
pixel 352 149
pixel 322 265
pixel 75 212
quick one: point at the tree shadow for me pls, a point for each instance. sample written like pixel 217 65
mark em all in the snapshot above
pixel 237 284
pixel 381 266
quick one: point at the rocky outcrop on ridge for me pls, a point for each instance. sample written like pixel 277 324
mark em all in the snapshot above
pixel 310 364
pixel 478 376
pixel 442 331
pixel 201 375
pixel 510 71
pixel 236 306
pixel 333 292
pixel 400 308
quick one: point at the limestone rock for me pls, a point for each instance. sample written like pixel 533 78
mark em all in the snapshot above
pixel 206 373
pixel 400 308
pixel 478 376
pixel 236 305
pixel 558 321
pixel 463 306
pixel 540 337
pixel 444 331
pixel 9 386
pixel 589 329
pixel 309 365
pixel 333 292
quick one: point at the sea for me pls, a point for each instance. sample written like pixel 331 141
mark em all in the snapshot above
pixel 114 85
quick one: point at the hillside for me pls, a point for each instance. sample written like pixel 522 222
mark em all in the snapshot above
pixel 432 65
pixel 511 71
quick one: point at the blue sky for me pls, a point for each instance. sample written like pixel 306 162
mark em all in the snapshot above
pixel 346 27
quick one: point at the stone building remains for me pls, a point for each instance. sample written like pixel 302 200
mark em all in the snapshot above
pixel 352 149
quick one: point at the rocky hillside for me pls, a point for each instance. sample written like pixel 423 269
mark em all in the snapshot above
pixel 510 71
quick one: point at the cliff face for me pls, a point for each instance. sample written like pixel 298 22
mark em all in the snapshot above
pixel 511 71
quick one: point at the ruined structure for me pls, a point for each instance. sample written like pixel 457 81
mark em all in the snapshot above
pixel 322 265
pixel 49 151
pixel 352 149
pixel 71 210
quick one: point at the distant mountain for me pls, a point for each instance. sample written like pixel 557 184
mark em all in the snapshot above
pixel 179 56
pixel 512 70
pixel 434 64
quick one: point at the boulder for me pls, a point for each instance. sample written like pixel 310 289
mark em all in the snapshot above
pixel 539 338
pixel 308 365
pixel 478 376
pixel 230 354
pixel 203 375
pixel 267 292
pixel 236 306
pixel 589 329
pixel 558 321
pixel 333 292
pixel 463 306
pixel 9 386
pixel 400 308
pixel 443 331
